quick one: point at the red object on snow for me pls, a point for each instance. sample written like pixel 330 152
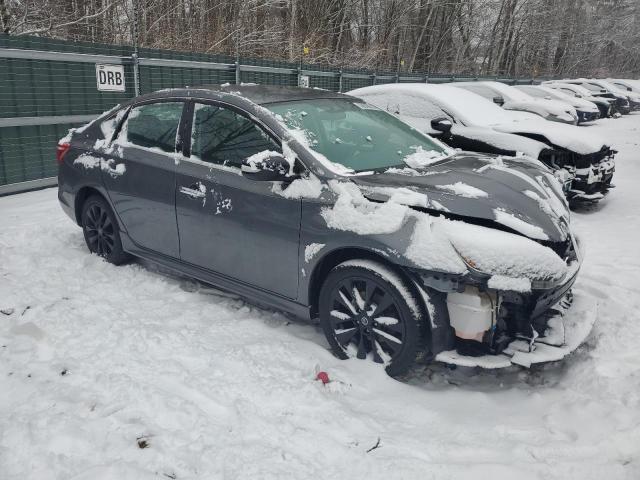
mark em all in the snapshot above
pixel 323 377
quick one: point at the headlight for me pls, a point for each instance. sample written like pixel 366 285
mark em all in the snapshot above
pixel 536 284
pixel 471 265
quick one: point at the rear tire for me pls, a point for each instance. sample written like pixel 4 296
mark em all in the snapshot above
pixel 368 311
pixel 101 230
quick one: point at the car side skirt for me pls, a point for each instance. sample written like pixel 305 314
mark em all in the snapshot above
pixel 253 295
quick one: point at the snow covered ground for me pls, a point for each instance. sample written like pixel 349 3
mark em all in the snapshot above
pixel 98 361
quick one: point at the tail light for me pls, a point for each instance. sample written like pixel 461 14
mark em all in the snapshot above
pixel 61 151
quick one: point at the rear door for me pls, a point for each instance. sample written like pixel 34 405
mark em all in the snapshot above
pixel 140 175
pixel 239 228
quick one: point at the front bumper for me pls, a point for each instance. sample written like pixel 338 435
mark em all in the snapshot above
pixel 584 117
pixel 593 183
pixel 519 318
pixel 566 330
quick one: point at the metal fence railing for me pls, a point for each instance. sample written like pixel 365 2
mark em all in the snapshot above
pixel 49 86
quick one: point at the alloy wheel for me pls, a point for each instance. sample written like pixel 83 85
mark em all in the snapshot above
pixel 365 318
pixel 100 231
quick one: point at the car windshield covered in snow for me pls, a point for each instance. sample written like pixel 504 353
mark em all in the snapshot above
pixel 356 135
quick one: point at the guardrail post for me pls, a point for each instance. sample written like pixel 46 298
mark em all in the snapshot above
pixel 373 78
pixel 237 69
pixel 340 81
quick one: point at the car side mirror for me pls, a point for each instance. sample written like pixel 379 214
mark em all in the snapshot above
pixel 441 124
pixel 270 167
pixel 578 95
pixel 498 101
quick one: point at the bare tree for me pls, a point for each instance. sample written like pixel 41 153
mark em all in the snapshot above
pixel 497 37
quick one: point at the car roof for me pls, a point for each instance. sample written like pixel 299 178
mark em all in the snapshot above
pixel 259 94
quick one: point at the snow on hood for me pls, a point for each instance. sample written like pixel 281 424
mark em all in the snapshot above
pixel 544 107
pixel 570 137
pixel 517 193
pixel 502 140
pixel 441 244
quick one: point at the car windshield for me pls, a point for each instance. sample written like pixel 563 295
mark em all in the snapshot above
pixel 356 135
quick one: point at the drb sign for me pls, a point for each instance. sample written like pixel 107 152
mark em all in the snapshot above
pixel 110 78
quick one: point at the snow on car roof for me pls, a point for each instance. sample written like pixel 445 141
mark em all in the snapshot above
pixel 473 110
pixel 507 92
pixel 470 108
pixel 571 86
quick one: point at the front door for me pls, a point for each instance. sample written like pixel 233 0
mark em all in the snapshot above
pixel 235 227
pixel 139 175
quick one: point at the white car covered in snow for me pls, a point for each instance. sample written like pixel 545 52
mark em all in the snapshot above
pixel 587 110
pixel 625 101
pixel 605 105
pixel 510 98
pixel 625 84
pixel 462 119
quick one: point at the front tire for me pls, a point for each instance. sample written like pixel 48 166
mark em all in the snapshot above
pixel 101 231
pixel 368 311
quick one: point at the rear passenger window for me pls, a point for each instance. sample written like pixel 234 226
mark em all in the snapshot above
pixel 153 125
pixel 222 136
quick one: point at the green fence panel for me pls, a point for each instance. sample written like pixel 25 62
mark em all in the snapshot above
pixel 29 152
pixel 30 88
pixel 45 87
pixel 267 78
pixel 154 78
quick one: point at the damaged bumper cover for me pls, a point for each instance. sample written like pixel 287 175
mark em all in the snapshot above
pixel 529 327
pixel 591 174
pixel 566 330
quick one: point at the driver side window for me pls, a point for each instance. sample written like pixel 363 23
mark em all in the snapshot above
pixel 224 137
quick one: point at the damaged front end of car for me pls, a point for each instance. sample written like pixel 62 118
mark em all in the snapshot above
pixel 585 178
pixel 486 319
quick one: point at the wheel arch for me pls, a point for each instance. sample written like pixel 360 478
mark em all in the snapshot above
pixel 81 196
pixel 335 257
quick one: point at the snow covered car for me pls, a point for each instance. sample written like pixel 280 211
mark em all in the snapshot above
pixel 510 98
pixel 605 105
pixel 626 85
pixel 325 207
pixel 600 88
pixel 587 111
pixel 581 161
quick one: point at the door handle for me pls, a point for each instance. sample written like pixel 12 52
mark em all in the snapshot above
pixel 197 190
